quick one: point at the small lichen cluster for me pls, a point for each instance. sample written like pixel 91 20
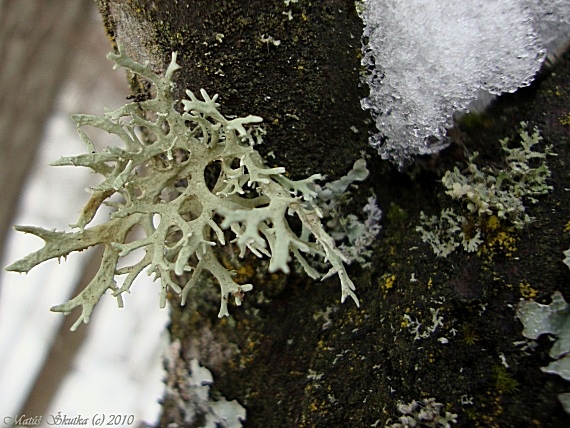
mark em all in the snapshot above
pixel 186 180
pixel 418 329
pixel 425 413
pixel 354 236
pixel 445 233
pixel 566 259
pixel 188 386
pixel 489 191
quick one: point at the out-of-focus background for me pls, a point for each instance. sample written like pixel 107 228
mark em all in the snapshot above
pixel 52 64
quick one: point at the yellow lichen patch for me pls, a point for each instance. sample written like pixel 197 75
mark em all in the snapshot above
pixel 244 273
pixel 501 242
pixel 387 282
pixel 493 223
pixel 313 407
pixel 567 227
pixel 527 291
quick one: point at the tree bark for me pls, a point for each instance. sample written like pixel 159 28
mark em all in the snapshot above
pixel 298 68
pixel 293 355
pixel 306 88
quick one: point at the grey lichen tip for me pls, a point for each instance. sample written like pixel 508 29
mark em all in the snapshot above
pixel 181 183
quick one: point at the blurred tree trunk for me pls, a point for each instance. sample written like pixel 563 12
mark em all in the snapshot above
pixel 36 39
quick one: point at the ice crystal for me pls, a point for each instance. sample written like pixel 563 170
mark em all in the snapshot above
pixel 428 60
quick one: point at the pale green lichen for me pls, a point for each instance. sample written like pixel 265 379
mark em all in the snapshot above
pixel 188 385
pixel 566 259
pixel 489 191
pixel 194 174
pixel 426 413
pixel 355 237
pixel 445 233
pixel 503 192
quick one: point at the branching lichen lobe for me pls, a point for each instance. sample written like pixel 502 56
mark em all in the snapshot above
pixel 162 188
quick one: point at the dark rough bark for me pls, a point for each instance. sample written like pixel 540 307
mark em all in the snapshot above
pixel 292 355
pixel 306 89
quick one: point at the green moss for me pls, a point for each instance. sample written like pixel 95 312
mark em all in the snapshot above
pixel 505 383
pixel 470 336
pixel 396 214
